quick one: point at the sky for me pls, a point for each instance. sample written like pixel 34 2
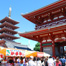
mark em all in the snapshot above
pixel 22 7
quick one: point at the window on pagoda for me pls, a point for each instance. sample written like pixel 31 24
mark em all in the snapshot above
pixel 61 15
pixel 48 39
pixel 62 36
pixel 44 41
pixel 56 37
pixel 49 19
pixel 55 17
pixel 45 21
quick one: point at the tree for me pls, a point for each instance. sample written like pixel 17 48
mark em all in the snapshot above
pixel 37 47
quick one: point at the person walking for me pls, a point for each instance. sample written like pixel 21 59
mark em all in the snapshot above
pixel 58 62
pixel 50 61
pixel 31 62
pixel 63 61
pixel 46 63
pixel 21 62
pixel 38 62
pixel 42 61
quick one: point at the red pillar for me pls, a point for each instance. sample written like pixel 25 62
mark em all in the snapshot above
pixel 53 48
pixel 53 44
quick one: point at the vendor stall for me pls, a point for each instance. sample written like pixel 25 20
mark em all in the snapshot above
pixel 15 52
pixel 12 52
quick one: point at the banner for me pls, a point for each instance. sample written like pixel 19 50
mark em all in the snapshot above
pixel 10 52
pixel 40 54
pixel 3 50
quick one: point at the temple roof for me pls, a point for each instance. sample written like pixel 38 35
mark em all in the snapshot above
pixel 2 41
pixel 8 35
pixel 44 32
pixel 24 48
pixel 31 16
pixel 9 30
pixel 8 24
pixel 9 20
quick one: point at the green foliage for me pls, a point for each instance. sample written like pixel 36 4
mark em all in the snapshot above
pixel 37 47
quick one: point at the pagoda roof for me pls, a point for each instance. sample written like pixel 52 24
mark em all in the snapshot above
pixel 31 16
pixel 2 41
pixel 9 20
pixel 8 35
pixel 44 32
pixel 7 29
pixel 8 24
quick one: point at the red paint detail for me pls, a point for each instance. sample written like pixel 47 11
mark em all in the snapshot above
pixel 16 53
pixel 12 53
pixel 20 53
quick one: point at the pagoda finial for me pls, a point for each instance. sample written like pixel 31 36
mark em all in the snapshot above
pixel 9 12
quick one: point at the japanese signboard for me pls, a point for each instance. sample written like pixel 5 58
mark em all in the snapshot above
pixel 10 52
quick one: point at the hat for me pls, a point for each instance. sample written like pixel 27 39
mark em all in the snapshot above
pixel 31 57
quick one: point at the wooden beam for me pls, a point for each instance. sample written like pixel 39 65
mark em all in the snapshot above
pixel 53 44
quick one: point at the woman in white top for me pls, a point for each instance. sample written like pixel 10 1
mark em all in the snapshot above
pixel 39 62
pixel 50 61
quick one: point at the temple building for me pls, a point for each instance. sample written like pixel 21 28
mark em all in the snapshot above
pixel 50 28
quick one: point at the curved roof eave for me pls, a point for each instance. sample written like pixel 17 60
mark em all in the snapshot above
pixel 42 9
pixel 6 18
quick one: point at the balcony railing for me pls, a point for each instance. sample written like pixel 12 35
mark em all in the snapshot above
pixel 53 24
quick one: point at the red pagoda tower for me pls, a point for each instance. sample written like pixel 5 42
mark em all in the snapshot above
pixel 50 28
pixel 7 32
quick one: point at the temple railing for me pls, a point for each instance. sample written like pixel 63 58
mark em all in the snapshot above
pixel 54 25
pixel 57 25
pixel 55 22
pixel 49 27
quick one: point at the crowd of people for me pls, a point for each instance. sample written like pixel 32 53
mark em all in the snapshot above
pixel 33 61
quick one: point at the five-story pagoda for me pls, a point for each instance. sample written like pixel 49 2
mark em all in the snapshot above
pixel 7 30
